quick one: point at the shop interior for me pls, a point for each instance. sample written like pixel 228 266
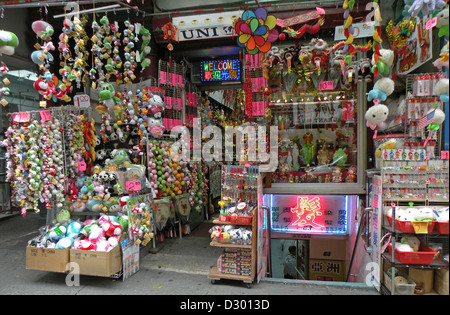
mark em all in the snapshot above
pixel 183 65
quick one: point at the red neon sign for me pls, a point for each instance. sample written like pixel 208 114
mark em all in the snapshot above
pixel 308 212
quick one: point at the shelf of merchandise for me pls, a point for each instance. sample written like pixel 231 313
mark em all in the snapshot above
pixel 214 274
pixel 386 256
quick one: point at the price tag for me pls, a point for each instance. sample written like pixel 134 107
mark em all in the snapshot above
pixel 133 185
pixel 326 85
pixel 21 117
pixel 45 115
pixel 431 23
pixel 81 166
pixel 444 155
pixel 82 101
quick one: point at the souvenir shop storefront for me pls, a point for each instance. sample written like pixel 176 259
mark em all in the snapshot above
pixel 312 137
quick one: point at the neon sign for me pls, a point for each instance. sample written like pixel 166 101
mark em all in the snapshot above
pixel 311 214
pixel 220 70
pixel 307 210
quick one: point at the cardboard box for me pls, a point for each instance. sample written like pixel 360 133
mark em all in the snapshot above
pixel 101 264
pixel 326 270
pixel 327 249
pixel 47 259
pixel 422 278
pixel 441 281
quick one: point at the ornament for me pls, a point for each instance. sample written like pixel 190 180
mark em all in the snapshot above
pixel 256 31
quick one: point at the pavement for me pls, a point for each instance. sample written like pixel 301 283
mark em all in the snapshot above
pixel 179 269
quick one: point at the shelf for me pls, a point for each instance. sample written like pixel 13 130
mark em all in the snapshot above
pixel 434 234
pixel 434 265
pixel 215 274
pixel 216 244
pixel 228 222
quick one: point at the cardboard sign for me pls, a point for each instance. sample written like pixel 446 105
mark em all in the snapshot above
pixel 81 166
pixel 82 101
pixel 133 185
pixel 21 117
pixel 45 115
pixel 431 23
pixel 444 155
pixel 326 85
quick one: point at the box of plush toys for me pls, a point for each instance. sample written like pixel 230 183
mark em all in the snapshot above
pixel 93 244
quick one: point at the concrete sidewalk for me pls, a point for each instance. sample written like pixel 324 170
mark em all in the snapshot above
pixel 179 268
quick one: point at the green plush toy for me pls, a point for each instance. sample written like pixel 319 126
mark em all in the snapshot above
pixel 108 99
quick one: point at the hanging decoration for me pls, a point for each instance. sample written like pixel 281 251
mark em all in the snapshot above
pixel 376 39
pixel 348 30
pixel 307 28
pixel 425 7
pixel 8 43
pixel 145 47
pixel 170 34
pixel 256 31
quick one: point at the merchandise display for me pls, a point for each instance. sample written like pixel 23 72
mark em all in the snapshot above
pixel 297 130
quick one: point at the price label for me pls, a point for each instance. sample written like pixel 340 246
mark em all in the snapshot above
pixel 133 185
pixel 45 115
pixel 82 101
pixel 21 117
pixel 431 23
pixel 81 166
pixel 326 85
pixel 444 155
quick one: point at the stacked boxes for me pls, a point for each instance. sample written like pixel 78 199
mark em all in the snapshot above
pixel 237 261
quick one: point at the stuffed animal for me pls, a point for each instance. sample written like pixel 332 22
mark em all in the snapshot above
pixel 108 99
pixel 385 61
pixel 412 241
pixel 424 214
pixel 441 89
pixel 8 43
pixel 381 89
pixel 376 115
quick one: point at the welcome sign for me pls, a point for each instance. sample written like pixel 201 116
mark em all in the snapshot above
pixel 221 70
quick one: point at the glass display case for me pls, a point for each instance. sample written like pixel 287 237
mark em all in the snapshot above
pixel 321 142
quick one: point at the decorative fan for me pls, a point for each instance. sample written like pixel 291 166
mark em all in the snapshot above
pixel 256 31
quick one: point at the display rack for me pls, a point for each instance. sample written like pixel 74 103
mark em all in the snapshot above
pixel 215 274
pixel 393 191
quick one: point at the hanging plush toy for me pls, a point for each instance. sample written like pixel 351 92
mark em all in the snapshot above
pixel 108 99
pixel 425 7
pixel 378 113
pixel 8 43
pixel 441 89
pixel 381 89
pixel 145 47
pixel 384 61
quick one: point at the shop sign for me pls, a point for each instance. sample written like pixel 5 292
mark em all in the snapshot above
pixel 326 270
pixel 206 26
pixel 363 29
pixel 311 214
pixel 220 70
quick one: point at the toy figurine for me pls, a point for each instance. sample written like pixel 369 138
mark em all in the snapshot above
pixel 351 175
pixel 337 175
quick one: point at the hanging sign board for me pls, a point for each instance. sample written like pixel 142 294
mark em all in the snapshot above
pixel 363 29
pixel 82 101
pixel 220 70
pixel 205 26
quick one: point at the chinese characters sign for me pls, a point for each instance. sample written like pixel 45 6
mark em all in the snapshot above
pixel 220 70
pixel 316 214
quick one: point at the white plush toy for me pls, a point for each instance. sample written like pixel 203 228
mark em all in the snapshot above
pixel 424 214
pixel 376 116
pixel 441 89
pixel 412 241
pixel 381 89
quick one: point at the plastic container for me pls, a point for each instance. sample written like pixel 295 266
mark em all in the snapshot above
pixel 441 228
pixel 413 227
pixel 401 288
pixel 424 256
pixel 243 220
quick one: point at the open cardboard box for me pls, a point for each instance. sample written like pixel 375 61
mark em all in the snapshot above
pixel 101 264
pixel 47 259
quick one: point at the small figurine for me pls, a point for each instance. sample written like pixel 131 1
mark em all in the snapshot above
pixel 351 176
pixel 337 175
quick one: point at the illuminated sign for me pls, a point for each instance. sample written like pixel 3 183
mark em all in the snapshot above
pixel 220 70
pixel 312 214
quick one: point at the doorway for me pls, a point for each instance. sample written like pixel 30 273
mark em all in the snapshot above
pixel 289 259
